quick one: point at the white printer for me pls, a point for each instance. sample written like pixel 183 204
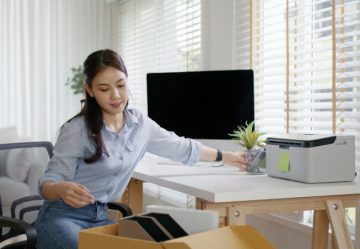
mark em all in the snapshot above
pixel 311 158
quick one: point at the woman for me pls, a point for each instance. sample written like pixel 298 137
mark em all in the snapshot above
pixel 97 151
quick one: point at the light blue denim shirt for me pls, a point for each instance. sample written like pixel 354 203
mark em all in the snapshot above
pixel 107 178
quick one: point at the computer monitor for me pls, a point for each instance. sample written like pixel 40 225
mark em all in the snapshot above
pixel 201 105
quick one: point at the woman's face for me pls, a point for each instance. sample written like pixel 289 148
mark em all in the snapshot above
pixel 109 88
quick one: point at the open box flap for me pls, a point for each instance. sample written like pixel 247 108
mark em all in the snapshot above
pixel 233 237
pixel 106 237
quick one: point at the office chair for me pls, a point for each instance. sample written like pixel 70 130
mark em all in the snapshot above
pixel 19 231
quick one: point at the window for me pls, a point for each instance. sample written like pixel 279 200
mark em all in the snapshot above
pixel 155 36
pixel 306 59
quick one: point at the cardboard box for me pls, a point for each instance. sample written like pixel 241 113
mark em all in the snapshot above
pixel 231 237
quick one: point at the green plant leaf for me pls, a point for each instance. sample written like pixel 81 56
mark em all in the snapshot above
pixel 248 136
pixel 75 81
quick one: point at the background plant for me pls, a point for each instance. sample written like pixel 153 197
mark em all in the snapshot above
pixel 76 80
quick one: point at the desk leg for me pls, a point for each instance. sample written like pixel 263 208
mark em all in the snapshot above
pixel 333 242
pixel 228 215
pixel 237 216
pixel 357 226
pixel 133 196
pixel 339 226
pixel 320 230
pixel 223 211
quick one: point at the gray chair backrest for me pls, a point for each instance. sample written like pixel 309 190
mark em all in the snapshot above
pixel 21 165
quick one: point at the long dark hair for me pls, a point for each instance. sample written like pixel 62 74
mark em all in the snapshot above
pixel 94 63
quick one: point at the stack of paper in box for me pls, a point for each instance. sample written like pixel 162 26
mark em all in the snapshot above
pixel 151 226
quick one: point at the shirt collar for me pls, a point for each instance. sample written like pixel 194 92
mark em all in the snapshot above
pixel 130 121
pixel 130 118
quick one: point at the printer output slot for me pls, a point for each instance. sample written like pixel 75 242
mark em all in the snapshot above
pixel 284 144
pixel 285 147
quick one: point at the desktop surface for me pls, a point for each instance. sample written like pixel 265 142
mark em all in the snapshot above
pixel 227 184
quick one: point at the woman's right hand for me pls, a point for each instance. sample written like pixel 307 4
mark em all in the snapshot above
pixel 72 193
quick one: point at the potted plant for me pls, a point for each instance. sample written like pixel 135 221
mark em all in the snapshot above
pixel 76 80
pixel 252 140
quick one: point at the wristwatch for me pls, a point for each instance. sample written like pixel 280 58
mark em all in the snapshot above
pixel 218 156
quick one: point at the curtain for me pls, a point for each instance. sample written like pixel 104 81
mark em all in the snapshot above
pixel 40 41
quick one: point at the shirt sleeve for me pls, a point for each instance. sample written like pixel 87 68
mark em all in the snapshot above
pixel 67 152
pixel 167 144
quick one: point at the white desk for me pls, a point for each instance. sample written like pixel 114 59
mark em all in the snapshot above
pixel 235 194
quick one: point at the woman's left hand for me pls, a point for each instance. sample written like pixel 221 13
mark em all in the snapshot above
pixel 236 159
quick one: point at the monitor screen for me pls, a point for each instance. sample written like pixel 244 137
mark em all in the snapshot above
pixel 201 105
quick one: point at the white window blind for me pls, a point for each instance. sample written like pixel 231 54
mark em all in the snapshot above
pixel 260 45
pixel 321 101
pixel 306 60
pixel 310 67
pixel 242 37
pixel 154 36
